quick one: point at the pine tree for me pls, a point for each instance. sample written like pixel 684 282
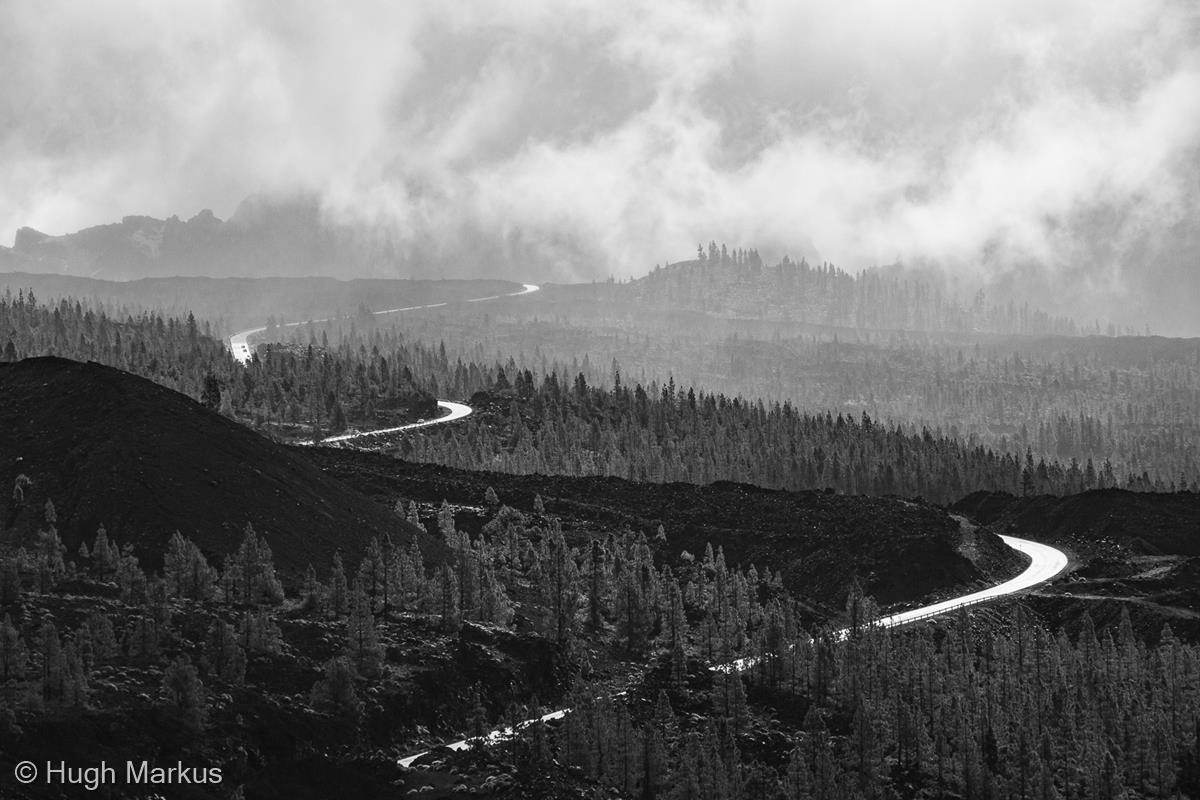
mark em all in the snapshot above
pixel 186 571
pixel 87 652
pixel 443 598
pixel 412 577
pixel 686 780
pixel 559 584
pixel 105 554
pixel 729 699
pixel 636 597
pixel 798 780
pixel 224 655
pixel 494 605
pixel 259 633
pixel 445 521
pixel 335 693
pixel 185 694
pixel 679 671
pixel 250 573
pixel 13 653
pixel 362 639
pixel 50 559
pixel 312 592
pixel 130 577
pixel 676 628
pixel 372 574
pixel 598 577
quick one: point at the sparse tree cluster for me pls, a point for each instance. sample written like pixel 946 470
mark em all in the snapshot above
pixel 737 280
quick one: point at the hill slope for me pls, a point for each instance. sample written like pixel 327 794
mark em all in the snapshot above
pixel 900 551
pixel 109 447
pixel 1144 523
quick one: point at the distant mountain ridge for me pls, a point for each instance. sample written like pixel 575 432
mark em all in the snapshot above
pixel 283 237
pixel 261 238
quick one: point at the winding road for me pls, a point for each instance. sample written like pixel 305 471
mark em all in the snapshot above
pixel 456 411
pixel 1045 562
pixel 239 345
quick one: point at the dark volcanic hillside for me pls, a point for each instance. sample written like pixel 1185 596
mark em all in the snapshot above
pixel 899 550
pixel 109 447
pixel 1148 524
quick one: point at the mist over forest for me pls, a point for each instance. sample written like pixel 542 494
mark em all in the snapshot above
pixel 688 400
pixel 1040 151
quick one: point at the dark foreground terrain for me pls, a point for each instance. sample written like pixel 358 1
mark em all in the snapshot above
pixel 897 550
pixel 443 603
pixel 109 448
pixel 434 619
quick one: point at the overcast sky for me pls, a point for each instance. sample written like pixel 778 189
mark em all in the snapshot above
pixel 1048 140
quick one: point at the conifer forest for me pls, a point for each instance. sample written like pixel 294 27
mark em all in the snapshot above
pixel 677 400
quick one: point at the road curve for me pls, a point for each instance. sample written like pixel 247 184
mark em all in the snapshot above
pixel 1045 563
pixel 240 347
pixel 457 411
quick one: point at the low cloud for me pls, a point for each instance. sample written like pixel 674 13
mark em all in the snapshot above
pixel 1057 142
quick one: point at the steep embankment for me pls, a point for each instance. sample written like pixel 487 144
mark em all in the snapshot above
pixel 109 447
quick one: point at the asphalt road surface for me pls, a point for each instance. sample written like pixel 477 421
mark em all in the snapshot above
pixel 1045 563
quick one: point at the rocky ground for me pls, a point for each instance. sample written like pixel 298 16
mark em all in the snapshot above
pixel 266 733
pixel 1131 552
pixel 900 551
